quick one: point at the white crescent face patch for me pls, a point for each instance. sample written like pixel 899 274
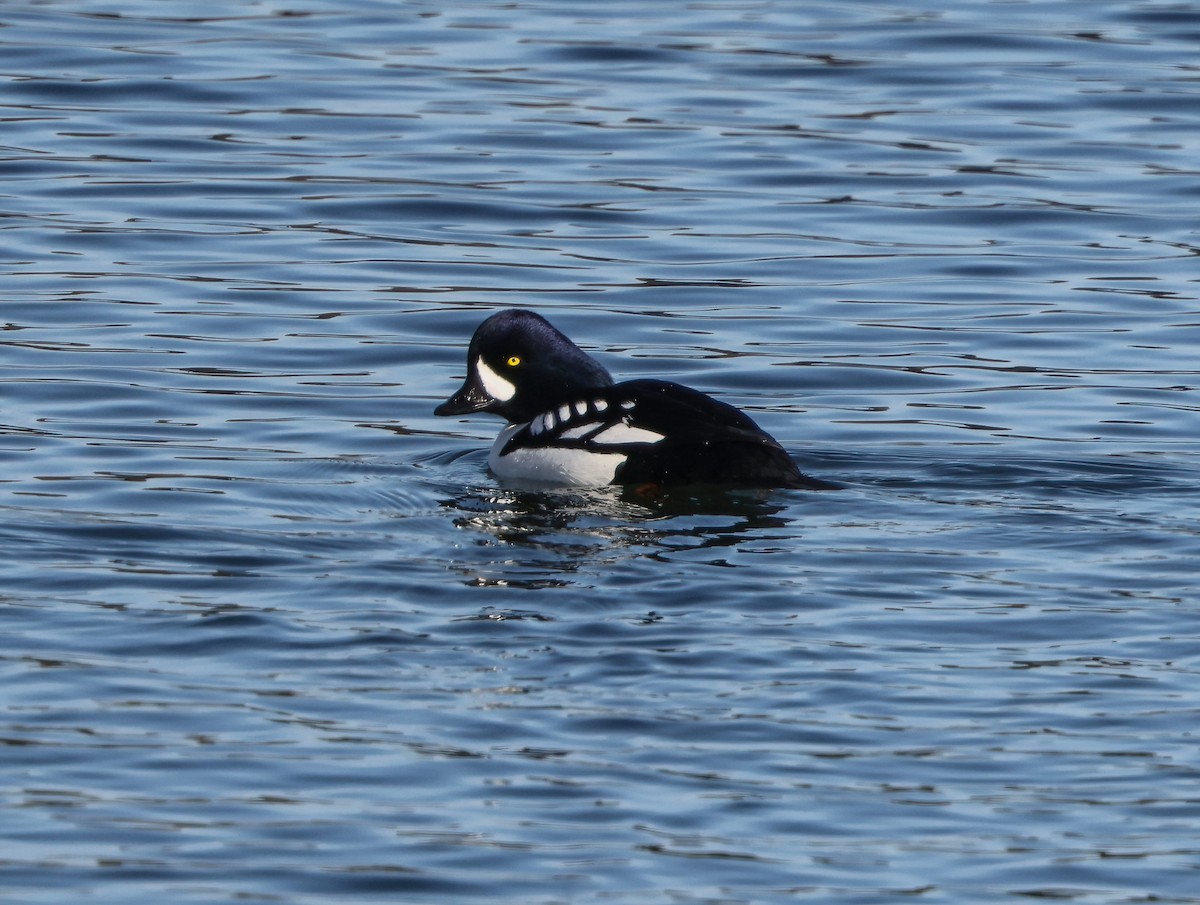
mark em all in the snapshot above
pixel 497 387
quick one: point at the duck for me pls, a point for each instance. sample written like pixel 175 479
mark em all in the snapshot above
pixel 570 425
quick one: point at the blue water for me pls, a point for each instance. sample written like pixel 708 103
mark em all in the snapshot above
pixel 271 632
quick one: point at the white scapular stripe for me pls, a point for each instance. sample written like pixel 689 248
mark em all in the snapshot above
pixel 497 387
pixel 627 433
pixel 580 430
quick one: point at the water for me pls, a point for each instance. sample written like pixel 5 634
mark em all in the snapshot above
pixel 272 633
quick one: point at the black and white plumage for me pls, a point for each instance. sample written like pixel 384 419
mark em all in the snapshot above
pixel 569 424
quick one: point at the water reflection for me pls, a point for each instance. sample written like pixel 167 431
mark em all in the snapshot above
pixel 550 539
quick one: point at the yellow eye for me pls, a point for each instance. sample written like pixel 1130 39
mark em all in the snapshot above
pixel 513 361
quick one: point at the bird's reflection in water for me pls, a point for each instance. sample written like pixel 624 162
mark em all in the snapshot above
pixel 563 538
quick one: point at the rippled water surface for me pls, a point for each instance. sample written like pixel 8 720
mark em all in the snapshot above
pixel 273 633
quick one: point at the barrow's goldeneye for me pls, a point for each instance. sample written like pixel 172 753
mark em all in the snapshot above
pixel 570 425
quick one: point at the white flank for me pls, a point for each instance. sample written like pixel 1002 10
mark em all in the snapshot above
pixel 497 387
pixel 548 465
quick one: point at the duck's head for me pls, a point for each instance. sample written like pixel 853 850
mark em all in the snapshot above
pixel 519 366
